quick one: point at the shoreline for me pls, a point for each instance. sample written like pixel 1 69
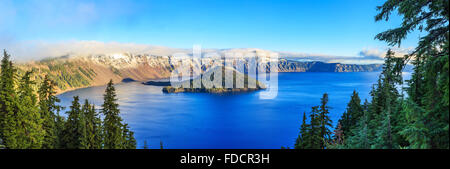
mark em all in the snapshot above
pixel 162 79
pixel 121 82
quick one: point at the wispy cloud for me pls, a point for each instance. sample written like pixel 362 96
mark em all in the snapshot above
pixel 365 56
pixel 36 50
pixel 375 53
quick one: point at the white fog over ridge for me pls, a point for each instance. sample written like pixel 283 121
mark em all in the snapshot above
pixel 36 50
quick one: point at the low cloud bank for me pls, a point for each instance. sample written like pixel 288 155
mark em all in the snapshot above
pixel 380 54
pixel 37 50
pixel 365 56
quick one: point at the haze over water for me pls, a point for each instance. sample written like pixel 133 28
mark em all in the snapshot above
pixel 204 121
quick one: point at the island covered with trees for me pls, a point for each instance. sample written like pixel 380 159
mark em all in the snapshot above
pixel 217 86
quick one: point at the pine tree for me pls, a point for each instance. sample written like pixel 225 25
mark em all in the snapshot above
pixel 338 135
pixel 350 117
pixel 303 139
pixel 384 133
pixel 8 104
pixel 389 96
pixel 75 127
pixel 97 130
pixel 375 124
pixel 325 121
pixel 373 112
pixel 47 109
pixel 360 139
pixel 415 131
pixel 316 134
pixel 30 121
pixel 30 133
pixel 112 124
pixel 315 138
pixel 132 143
pixel 426 110
pixel 345 124
pixel 354 108
pixel 93 126
pixel 60 122
pixel 128 138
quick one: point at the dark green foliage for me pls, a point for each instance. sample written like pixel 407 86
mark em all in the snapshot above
pixel 316 134
pixel 375 124
pixel 112 122
pixel 59 125
pixel 75 127
pixel 314 140
pixel 116 134
pixel 8 101
pixel 47 109
pixel 338 138
pixel 303 138
pixel 217 86
pixel 431 16
pixel 97 131
pixel 392 121
pixel 93 126
pixel 353 113
pixel 30 119
pixel 29 123
pixel 20 121
pixel 426 110
pixel 325 122
pixel 360 131
pixel 421 119
pixel 128 138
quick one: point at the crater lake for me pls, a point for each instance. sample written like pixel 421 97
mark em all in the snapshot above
pixel 231 121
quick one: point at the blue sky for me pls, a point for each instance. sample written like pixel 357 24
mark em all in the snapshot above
pixel 328 27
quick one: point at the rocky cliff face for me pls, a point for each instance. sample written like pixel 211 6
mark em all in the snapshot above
pixel 295 66
pixel 83 71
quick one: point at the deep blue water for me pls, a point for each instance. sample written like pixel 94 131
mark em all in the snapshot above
pixel 203 121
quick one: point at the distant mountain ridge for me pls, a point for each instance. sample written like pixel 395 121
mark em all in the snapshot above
pixel 297 66
pixel 71 73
